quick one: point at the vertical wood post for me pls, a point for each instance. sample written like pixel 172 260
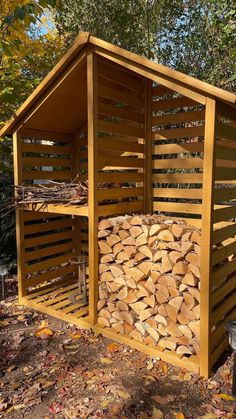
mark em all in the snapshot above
pixel 207 230
pixel 92 179
pixel 17 160
pixel 148 205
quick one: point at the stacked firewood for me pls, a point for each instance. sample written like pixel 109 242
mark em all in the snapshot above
pixel 149 281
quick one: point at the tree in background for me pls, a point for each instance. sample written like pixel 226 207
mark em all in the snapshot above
pixel 28 50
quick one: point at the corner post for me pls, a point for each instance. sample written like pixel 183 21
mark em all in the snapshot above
pixel 93 185
pixel 18 179
pixel 207 232
pixel 148 203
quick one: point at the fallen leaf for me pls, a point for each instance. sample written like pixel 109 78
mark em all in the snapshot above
pixel 165 368
pixel 124 394
pixel 19 406
pixel 105 360
pixel 75 336
pixel 180 415
pixel 55 408
pixel 4 323
pixel 157 414
pixel 44 333
pixel 150 366
pixel 105 403
pixel 224 397
pixel 71 347
pixel 163 400
pixel 113 347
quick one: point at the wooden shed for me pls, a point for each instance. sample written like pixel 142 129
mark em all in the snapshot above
pixel 115 117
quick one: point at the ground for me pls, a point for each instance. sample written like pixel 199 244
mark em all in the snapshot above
pixel 50 369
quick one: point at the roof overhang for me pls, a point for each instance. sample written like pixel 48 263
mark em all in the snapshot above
pixel 173 79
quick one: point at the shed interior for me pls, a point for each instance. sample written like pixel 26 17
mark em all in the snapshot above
pixel 146 143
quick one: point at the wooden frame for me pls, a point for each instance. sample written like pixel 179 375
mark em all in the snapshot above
pixel 168 140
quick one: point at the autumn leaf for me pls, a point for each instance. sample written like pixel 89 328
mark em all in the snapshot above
pixel 113 347
pixel 75 336
pixel 150 366
pixel 105 360
pixel 180 415
pixel 44 333
pixel 105 403
pixel 165 368
pixel 4 323
pixel 157 414
pixel 224 397
pixel 163 400
pixel 124 394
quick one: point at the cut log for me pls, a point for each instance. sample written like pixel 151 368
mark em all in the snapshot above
pixel 175 256
pixel 101 304
pixel 136 221
pixel 156 228
pixel 180 268
pixel 160 319
pixel 122 256
pixel 146 229
pixel 161 298
pixel 166 264
pixel 149 341
pixel 147 251
pixel 145 267
pixel 151 322
pixel 130 263
pixel 153 333
pixel 123 234
pixel 129 241
pixel 174 246
pixel 162 310
pixel 103 321
pixel 141 240
pixel 196 237
pixel 186 331
pixel 119 327
pixel 102 291
pixel 195 327
pixel 135 231
pixel 176 302
pixel 103 267
pixel 174 292
pixel 113 286
pixel 182 319
pixel 195 293
pixel 126 225
pixel 138 306
pixel 122 306
pixel 113 239
pixel 158 255
pixel 136 335
pixel 139 256
pixel 132 297
pixel 104 247
pixel 131 283
pixel 142 291
pixel 145 314
pixel 163 289
pixel 197 249
pixel 182 350
pixel 189 300
pixel 155 275
pixel 104 224
pixel 107 258
pixel 190 279
pixel 140 326
pixel 120 280
pixel 117 270
pixel 168 343
pixel 136 274
pixel 111 306
pixel 186 236
pixel 150 285
pixel 178 230
pixel 165 235
pixel 196 311
pixel 186 247
pixel 195 270
pixel 183 287
pixel 162 330
pixel 122 294
pixel 193 258
pixel 127 328
pixel 103 233
pixel 128 316
pixel 130 250
pixel 172 312
pixel 173 329
pixel 150 301
pixel 106 276
pixel 117 248
pixel 105 313
pixel 168 280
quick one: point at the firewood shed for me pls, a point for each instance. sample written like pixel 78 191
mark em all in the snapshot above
pixel 163 142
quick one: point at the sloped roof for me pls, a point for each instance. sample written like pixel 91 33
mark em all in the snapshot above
pixel 85 39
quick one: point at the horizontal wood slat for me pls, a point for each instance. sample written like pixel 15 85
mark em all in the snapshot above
pixel 173 178
pixel 120 95
pixel 224 233
pixel 179 117
pixel 223 214
pixel 120 129
pixel 120 177
pixel 183 193
pixel 174 103
pixel 178 163
pixel 46 161
pixel 110 144
pixel 120 208
pixel 45 174
pixel 170 134
pixel 120 112
pixel 46 149
pixel 191 147
pixel 125 162
pixel 177 207
pixel 119 193
pixel 49 238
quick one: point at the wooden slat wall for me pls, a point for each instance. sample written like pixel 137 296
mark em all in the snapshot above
pixel 44 160
pixel 120 131
pixel 48 241
pixel 178 130
pixel 224 234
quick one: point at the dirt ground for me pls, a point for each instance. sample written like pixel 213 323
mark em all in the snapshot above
pixel 50 369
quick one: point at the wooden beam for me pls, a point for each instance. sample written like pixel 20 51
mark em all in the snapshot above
pixel 207 237
pixel 21 275
pixel 148 147
pixel 92 77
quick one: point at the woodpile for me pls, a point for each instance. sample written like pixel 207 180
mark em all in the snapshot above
pixel 149 281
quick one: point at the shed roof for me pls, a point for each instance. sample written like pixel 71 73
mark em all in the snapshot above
pixel 151 69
